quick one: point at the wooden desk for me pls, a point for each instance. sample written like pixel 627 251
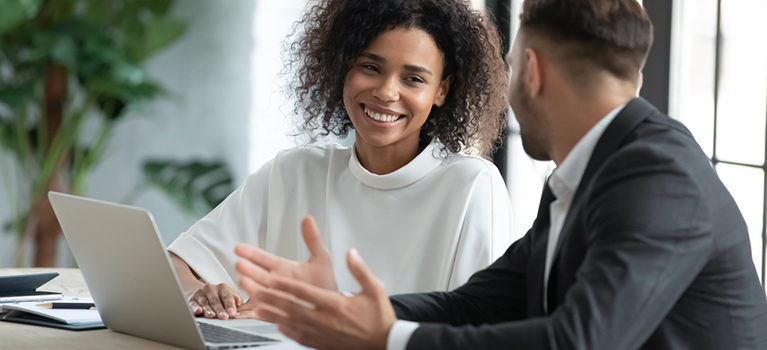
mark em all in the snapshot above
pixel 71 283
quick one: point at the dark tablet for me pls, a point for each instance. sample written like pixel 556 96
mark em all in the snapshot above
pixel 20 285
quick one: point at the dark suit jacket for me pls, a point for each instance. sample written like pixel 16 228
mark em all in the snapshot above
pixel 654 254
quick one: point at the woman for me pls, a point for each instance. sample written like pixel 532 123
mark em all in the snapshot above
pixel 419 82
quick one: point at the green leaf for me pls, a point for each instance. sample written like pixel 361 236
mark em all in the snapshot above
pixel 158 7
pixel 159 33
pixel 64 51
pixel 15 97
pixel 99 10
pixel 196 186
pixel 7 138
pixel 14 12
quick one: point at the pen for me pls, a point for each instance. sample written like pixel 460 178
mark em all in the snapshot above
pixel 66 305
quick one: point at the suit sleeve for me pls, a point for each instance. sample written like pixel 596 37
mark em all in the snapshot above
pixel 492 295
pixel 647 240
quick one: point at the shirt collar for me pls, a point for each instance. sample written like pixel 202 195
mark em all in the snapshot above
pixel 567 176
pixel 419 167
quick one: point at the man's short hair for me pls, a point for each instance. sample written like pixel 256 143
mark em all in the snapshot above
pixel 591 35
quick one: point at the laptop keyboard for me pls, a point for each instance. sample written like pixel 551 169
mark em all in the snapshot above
pixel 215 334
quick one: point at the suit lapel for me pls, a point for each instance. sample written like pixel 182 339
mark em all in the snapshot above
pixel 636 111
pixel 537 262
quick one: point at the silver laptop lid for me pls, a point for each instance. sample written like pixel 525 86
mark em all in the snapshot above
pixel 128 272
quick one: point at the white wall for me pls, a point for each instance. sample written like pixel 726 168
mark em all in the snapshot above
pixel 270 121
pixel 207 72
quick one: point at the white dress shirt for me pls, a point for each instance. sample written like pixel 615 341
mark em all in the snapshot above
pixel 563 182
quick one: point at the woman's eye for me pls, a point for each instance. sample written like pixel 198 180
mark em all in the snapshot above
pixel 371 67
pixel 415 80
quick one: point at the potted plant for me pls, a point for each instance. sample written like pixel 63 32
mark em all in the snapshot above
pixel 65 65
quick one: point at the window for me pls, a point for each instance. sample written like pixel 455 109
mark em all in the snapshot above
pixel 719 90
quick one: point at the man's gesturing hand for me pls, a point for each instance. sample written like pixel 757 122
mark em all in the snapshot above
pixel 259 266
pixel 324 319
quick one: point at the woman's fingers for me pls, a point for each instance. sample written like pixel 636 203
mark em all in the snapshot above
pixel 215 301
pixel 196 308
pixel 202 300
pixel 228 300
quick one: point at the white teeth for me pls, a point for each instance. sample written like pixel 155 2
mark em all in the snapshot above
pixel 380 117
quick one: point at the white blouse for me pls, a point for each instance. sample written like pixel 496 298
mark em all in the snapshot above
pixel 424 227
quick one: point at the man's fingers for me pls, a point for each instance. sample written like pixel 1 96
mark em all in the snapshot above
pixel 295 310
pixel 246 315
pixel 249 285
pixel 260 257
pixel 362 273
pixel 311 234
pixel 255 272
pixel 305 292
pixel 272 314
pixel 298 336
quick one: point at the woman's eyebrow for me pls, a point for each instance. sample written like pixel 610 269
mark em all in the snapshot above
pixel 409 67
pixel 373 57
pixel 418 69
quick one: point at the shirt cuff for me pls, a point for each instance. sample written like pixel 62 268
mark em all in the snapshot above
pixel 399 335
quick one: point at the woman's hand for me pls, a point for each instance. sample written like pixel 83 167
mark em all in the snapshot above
pixel 247 311
pixel 215 301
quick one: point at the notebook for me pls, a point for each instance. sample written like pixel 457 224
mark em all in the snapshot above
pixel 31 313
pixel 130 276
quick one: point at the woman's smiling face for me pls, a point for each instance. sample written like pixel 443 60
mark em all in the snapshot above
pixel 392 86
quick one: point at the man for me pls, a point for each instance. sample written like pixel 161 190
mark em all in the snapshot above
pixel 637 244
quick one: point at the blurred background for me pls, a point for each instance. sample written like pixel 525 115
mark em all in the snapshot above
pixel 169 105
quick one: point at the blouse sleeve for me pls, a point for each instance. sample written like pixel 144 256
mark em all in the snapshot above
pixel 486 229
pixel 208 246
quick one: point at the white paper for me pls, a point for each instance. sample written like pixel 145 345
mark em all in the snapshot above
pixel 69 316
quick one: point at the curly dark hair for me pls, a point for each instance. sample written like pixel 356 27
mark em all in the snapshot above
pixel 327 40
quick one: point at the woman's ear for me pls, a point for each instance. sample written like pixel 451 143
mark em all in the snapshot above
pixel 444 87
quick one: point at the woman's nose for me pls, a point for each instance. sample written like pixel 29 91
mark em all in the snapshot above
pixel 387 91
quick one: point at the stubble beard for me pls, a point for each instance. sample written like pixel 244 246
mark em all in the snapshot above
pixel 530 130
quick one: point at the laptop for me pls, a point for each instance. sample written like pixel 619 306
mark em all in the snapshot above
pixel 133 284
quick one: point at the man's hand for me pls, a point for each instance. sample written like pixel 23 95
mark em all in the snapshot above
pixel 260 266
pixel 324 319
pixel 215 301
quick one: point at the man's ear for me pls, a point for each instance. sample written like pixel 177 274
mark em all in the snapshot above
pixel 533 74
pixel 640 81
pixel 444 87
